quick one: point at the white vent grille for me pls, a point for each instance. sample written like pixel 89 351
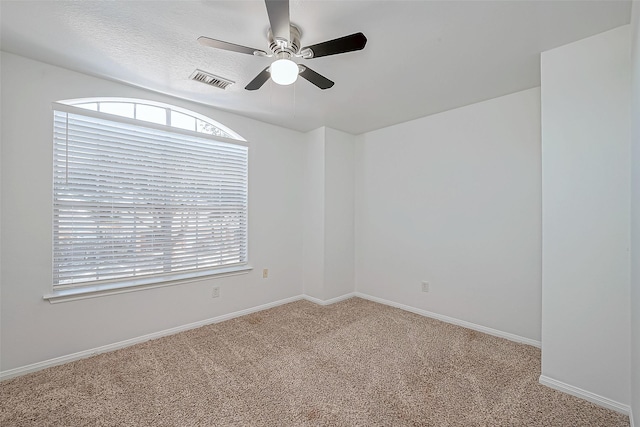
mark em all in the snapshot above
pixel 211 79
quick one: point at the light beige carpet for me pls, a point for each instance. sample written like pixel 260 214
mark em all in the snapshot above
pixel 354 363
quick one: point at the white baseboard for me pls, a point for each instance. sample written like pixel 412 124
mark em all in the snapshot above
pixel 11 373
pixel 587 395
pixel 549 382
pixel 329 301
pixel 452 320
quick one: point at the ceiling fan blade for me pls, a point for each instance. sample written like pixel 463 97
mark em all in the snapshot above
pixel 259 80
pixel 219 44
pixel 317 79
pixel 344 44
pixel 278 11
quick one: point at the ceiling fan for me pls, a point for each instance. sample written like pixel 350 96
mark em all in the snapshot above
pixel 284 44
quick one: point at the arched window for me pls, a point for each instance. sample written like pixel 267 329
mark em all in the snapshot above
pixel 144 193
pixel 155 112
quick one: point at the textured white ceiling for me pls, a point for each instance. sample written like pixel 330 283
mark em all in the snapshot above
pixel 422 57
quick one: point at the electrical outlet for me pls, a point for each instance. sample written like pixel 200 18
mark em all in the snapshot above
pixel 265 273
pixel 425 286
pixel 215 293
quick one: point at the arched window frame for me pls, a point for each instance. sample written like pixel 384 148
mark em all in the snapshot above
pixel 62 293
pixel 224 131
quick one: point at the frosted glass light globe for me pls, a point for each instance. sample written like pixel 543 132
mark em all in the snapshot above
pixel 284 71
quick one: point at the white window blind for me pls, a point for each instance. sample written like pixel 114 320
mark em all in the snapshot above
pixel 135 200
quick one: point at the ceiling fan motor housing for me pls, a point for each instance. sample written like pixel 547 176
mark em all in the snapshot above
pixel 285 48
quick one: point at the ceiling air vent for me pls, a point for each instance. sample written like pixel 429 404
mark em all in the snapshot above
pixel 211 79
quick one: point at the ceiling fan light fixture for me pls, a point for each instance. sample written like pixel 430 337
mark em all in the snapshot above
pixel 284 71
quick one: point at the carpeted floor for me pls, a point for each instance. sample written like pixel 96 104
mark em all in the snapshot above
pixel 354 363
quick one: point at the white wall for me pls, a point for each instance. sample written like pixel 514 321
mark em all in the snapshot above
pixel 454 199
pixel 585 174
pixel 635 213
pixel 34 330
pixel 314 227
pixel 339 214
pixel 329 214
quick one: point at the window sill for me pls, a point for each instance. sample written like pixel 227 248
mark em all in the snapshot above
pixel 94 291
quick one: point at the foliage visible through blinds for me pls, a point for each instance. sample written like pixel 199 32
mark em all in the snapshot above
pixel 133 201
